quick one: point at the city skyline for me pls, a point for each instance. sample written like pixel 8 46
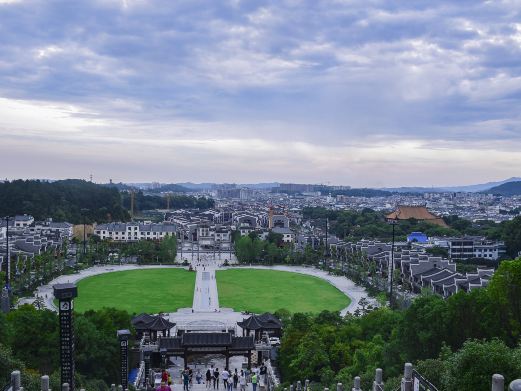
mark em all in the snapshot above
pixel 359 93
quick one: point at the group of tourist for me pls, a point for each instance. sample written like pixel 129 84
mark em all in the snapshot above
pixel 236 379
pixel 229 380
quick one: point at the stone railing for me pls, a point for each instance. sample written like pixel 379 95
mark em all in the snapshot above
pixel 140 378
pixel 272 381
pixel 411 381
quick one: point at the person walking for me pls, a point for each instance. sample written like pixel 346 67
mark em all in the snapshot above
pixel 208 378
pixel 242 381
pixel 164 376
pixel 235 378
pixel 225 375
pixel 254 381
pixel 198 376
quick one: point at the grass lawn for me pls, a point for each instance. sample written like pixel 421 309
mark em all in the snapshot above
pixel 144 290
pixel 269 290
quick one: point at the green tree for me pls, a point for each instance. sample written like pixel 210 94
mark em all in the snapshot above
pixel 472 367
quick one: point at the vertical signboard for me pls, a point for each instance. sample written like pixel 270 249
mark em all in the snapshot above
pixel 123 336
pixel 65 293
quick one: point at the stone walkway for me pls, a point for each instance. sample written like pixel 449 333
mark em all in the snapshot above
pixel 206 297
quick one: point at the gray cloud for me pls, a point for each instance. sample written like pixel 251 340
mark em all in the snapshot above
pixel 353 74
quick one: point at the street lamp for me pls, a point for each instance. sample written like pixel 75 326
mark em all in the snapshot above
pixel 390 272
pixel 4 300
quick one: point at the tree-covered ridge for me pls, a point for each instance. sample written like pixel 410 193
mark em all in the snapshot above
pixel 457 343
pixel 66 200
pixel 62 200
pixel 354 225
pixel 149 202
pixel 506 189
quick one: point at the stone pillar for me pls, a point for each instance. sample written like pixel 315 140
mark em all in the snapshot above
pixel 306 385
pixel 112 387
pixel 291 388
pixel 407 378
pixel 65 387
pixel 123 336
pixel 339 387
pixel 378 384
pixel 44 383
pixel 120 388
pixel 498 383
pixel 515 385
pixel 16 380
pixel 356 384
pixel 299 386
pixel 65 293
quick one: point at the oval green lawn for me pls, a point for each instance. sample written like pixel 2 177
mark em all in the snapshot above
pixel 259 291
pixel 137 291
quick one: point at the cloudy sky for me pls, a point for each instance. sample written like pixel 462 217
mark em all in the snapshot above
pixel 355 92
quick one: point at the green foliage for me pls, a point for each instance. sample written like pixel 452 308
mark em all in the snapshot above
pixel 61 200
pixel 32 346
pixel 38 350
pixel 471 367
pixel 457 343
pixel 148 202
pixel 512 236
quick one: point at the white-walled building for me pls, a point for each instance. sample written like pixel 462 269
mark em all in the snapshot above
pixel 133 232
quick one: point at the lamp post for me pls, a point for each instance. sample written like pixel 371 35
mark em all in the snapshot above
pixel 390 272
pixel 4 299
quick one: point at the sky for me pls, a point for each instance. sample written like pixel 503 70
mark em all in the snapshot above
pixel 353 92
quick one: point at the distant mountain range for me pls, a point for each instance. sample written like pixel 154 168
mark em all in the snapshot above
pixel 483 187
pixel 498 187
pixel 506 189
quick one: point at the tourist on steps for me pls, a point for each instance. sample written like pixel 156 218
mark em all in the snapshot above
pixel 235 378
pixel 254 381
pixel 208 378
pixel 242 381
pixel 186 379
pixel 225 375
pixel 216 378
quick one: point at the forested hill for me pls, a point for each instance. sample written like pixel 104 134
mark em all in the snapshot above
pixel 506 189
pixel 62 200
